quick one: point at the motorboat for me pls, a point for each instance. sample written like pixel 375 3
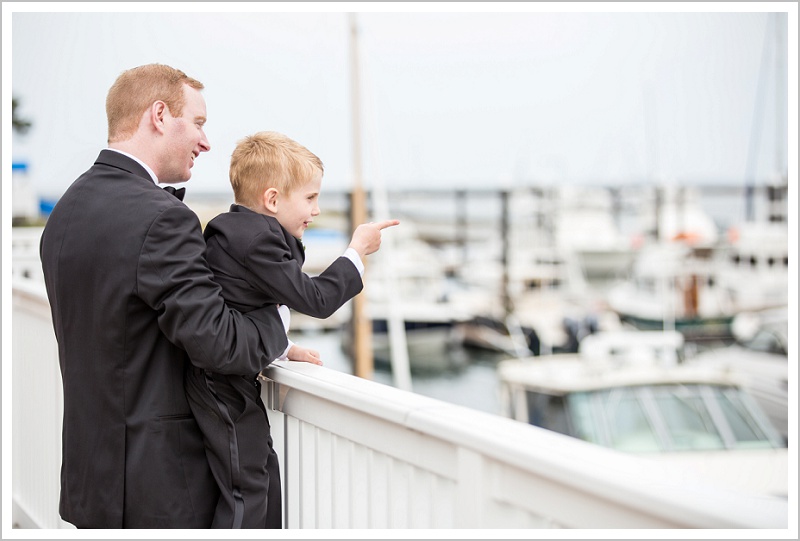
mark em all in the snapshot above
pixel 674 286
pixel 634 391
pixel 754 265
pixel 699 288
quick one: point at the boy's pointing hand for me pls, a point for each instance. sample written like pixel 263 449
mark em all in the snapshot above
pixel 367 237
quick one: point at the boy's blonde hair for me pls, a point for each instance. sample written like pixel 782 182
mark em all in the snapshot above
pixel 266 160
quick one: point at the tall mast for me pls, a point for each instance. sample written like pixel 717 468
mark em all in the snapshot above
pixel 361 324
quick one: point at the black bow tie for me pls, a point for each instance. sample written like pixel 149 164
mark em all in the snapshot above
pixel 179 193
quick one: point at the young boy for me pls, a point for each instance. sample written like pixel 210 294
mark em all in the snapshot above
pixel 256 255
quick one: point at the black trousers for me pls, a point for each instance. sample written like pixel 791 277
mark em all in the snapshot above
pixel 238 442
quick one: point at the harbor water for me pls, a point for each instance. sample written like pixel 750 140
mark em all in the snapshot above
pixel 473 384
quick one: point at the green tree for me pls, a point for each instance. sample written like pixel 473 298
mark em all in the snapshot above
pixel 20 125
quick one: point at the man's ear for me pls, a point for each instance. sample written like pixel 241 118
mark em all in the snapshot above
pixel 271 197
pixel 157 113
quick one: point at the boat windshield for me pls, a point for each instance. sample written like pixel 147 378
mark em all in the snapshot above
pixel 670 418
pixel 766 341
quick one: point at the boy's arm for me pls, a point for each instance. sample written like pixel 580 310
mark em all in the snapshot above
pixel 271 269
pixel 353 256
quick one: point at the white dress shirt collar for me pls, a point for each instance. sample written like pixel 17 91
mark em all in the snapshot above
pixel 140 162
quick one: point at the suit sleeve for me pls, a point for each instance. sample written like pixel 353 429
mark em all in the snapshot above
pixel 271 269
pixel 174 279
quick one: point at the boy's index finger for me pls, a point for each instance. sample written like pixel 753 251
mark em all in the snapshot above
pixel 387 223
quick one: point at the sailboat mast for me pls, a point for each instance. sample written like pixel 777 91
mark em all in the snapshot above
pixel 361 324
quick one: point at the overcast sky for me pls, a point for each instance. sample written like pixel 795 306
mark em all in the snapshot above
pixel 503 95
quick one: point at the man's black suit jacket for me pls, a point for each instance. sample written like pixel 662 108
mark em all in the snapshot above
pixel 258 262
pixel 131 295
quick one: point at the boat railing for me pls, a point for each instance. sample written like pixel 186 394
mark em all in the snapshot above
pixel 358 454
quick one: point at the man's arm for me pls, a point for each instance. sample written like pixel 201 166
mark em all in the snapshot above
pixel 173 278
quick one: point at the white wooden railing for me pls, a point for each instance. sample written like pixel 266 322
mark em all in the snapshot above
pixel 359 454
pixel 36 410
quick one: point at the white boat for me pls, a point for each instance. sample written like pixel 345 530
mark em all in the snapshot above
pixel 695 280
pixel 632 392
pixel 754 265
pixel 674 285
pixel 671 283
pixel 699 289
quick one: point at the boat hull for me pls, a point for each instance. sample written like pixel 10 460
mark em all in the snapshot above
pixel 694 329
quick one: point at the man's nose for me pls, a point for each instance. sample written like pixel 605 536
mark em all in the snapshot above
pixel 205 145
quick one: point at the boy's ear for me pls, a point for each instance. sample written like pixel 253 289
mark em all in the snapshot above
pixel 271 200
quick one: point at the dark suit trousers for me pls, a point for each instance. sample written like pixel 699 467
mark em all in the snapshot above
pixel 236 429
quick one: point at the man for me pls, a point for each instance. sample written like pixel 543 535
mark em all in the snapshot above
pixel 133 303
